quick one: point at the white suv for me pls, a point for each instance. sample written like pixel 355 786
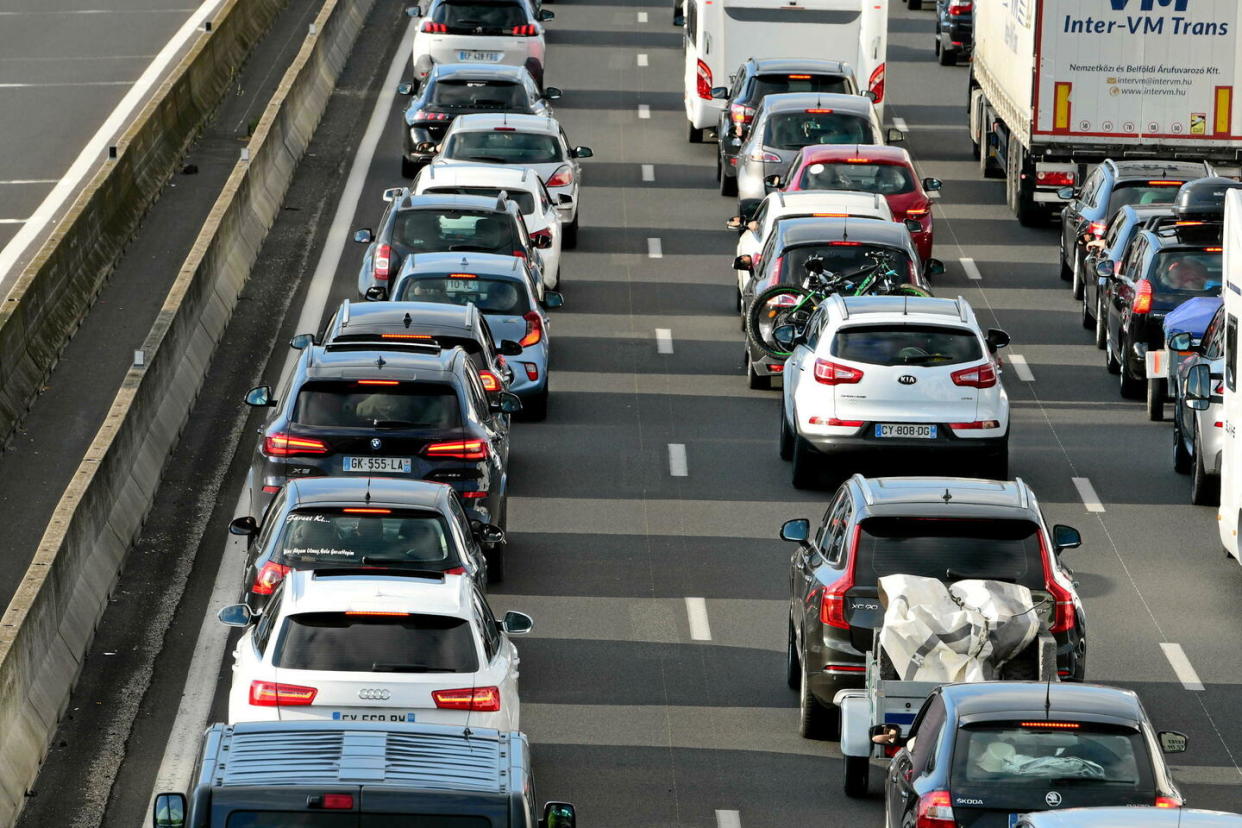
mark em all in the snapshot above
pixel 383 646
pixel 909 375
pixel 480 31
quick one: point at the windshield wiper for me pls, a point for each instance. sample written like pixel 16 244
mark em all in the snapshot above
pixel 379 667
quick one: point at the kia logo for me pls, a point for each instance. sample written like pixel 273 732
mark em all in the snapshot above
pixel 907 379
pixel 1053 799
pixel 380 694
pixel 376 444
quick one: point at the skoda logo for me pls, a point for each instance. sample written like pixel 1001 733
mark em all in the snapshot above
pixel 379 694
pixel 376 444
pixel 1053 799
pixel 907 379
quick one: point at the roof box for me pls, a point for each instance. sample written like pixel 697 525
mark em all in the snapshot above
pixel 1203 198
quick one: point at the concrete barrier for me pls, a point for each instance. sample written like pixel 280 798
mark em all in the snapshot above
pixel 48 625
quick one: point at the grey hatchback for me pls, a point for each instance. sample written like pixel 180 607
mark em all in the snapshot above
pixel 951 528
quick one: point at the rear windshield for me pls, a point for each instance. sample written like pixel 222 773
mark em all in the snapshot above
pixel 310 819
pixel 376 643
pixel 1191 271
pixel 524 200
pixel 479 94
pixel 907 345
pixel 1140 193
pixel 799 82
pixel 950 550
pixel 436 231
pixel 1073 754
pixel 480 16
pixel 470 346
pixel 503 147
pixel 885 179
pixel 794 130
pixel 502 297
pixel 843 259
pixel 349 538
pixel 353 405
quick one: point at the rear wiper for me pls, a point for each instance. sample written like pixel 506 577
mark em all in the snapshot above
pixel 481 248
pixel 923 359
pixel 379 667
pixel 952 575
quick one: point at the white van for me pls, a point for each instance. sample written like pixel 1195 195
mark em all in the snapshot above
pixel 721 34
pixel 1229 515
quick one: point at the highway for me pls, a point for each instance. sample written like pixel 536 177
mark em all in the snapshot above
pixel 643 513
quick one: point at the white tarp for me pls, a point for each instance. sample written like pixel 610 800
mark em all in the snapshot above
pixel 960 632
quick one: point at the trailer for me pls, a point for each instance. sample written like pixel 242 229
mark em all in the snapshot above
pixel 1229 513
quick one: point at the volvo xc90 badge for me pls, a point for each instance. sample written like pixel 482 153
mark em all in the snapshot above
pixel 907 379
pixel 1053 799
pixel 376 444
pixel 374 694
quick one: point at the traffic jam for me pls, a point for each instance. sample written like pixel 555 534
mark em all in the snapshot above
pixel 937 634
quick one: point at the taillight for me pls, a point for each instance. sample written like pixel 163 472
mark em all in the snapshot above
pixel 960 7
pixel 458 449
pixel 489 379
pixel 272 694
pixel 563 177
pixel 832 373
pixel 833 421
pixel 741 114
pixel 532 370
pixel 981 376
pixel 534 329
pixel 769 157
pixel 876 83
pixel 279 444
pixel 935 811
pixel 424 115
pixel 1142 297
pixel 541 234
pixel 1054 178
pixel 269 576
pixel 455 570
pixel 975 424
pixel 704 81
pixel 479 699
pixel 474 495
pixel 918 212
pixel 435 28
pixel 1168 802
pixel 1062 599
pixel 525 30
pixel 832 599
pixel 337 802
pixel 383 262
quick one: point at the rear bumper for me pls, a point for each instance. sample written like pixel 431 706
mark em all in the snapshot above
pixel 864 441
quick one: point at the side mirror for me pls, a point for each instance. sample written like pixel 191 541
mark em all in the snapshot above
pixel 169 811
pixel 552 93
pixel 414 11
pixel 1181 342
pixel 509 348
pixel 913 225
pixel 772 182
pixel 507 403
pixel 553 299
pixel 405 89
pixel 244 525
pixel 376 293
pixel 582 152
pixel 517 623
pixel 720 93
pixel 797 530
pixel 1199 387
pixel 932 184
pixel 786 335
pixel 393 193
pixel 1066 193
pixel 1104 269
pixel 364 236
pixel 744 262
pixel 260 397
pixel 933 267
pixel 892 135
pixel 546 15
pixel 302 341
pixel 997 339
pixel 871 96
pixel 489 533
pixel 235 615
pixel 734 223
pixel 1172 742
pixel 558 815
pixel 1065 537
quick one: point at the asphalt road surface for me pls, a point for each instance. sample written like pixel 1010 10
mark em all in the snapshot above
pixel 652 686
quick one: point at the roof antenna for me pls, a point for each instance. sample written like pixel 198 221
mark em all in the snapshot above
pixel 845 229
pixel 947 496
pixel 367 497
pixel 1048 697
pixel 407 320
pixel 379 362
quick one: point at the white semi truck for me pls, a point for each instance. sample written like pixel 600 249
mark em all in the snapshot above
pixel 1200 391
pixel 1058 85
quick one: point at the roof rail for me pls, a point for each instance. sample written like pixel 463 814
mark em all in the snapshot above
pixel 840 300
pixel 864 486
pixel 961 308
pixel 501 198
pixel 345 314
pixel 1024 493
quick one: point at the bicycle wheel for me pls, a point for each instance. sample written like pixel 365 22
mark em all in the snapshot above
pixel 776 306
pixel 910 290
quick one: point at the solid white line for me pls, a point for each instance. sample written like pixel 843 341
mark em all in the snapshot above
pixel 677 466
pixel 972 270
pixel 728 819
pixel 95 148
pixel 642 17
pixel 30 181
pixel 200 685
pixel 1087 492
pixel 664 340
pixel 93 11
pixel 642 58
pixel 654 249
pixel 1181 665
pixel 644 111
pixel 696 610
pixel 1021 368
pixel 900 123
pixel 648 172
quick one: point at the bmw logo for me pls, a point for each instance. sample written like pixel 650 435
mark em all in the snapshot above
pixel 376 443
pixel 1053 799
pixel 907 379
pixel 379 694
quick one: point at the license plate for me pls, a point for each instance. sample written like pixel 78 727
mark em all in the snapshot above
pixel 394 718
pixel 922 432
pixel 379 465
pixel 473 55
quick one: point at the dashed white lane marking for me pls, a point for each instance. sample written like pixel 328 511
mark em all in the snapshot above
pixel 642 17
pixel 642 58
pixel 696 611
pixel 655 250
pixel 644 111
pixel 972 270
pixel 30 181
pixel 664 340
pixel 900 123
pixel 728 819
pixel 1181 665
pixel 677 465
pixel 648 172
pixel 13 221
pixel 1021 368
pixel 1087 492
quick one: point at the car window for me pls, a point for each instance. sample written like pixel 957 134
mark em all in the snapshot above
pixel 370 536
pixel 907 345
pixel 1141 193
pixel 267 621
pixel 435 231
pixel 794 130
pixel 1213 337
pixel 951 549
pixel 1187 271
pixel 1078 755
pixel 822 537
pixel 479 94
pixel 502 297
pixel 692 22
pixel 815 327
pixel 885 179
pixel 311 819
pixel 485 17
pixel 355 404
pixel 931 722
pixel 488 626
pixel 1091 186
pixel 739 82
pixel 1114 229
pixel 387 642
pixel 836 528
pixel 780 83
pixel 503 145
pixel 1231 352
pixel 1134 258
pixel 523 199
pixel 845 259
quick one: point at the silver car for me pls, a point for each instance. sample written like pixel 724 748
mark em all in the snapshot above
pixel 1198 415
pixel 786 123
pixel 1130 817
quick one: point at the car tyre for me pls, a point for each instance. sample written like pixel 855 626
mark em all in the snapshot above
pixel 1101 321
pixel 1204 488
pixel 815 720
pixel 1067 273
pixel 1076 277
pixel 1156 391
pixel 756 382
pixel 693 134
pixel 535 408
pixel 1183 462
pixel 945 57
pixel 570 240
pixel 793 667
pixel 805 473
pixel 787 437
pixel 1088 321
pixel 1111 364
pixel 1130 388
pixel 495 557
pixel 914 5
pixel 857 776
pixel 728 184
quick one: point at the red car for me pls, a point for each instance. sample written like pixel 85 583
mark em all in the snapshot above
pixel 871 169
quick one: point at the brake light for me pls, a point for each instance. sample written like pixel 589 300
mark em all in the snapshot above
pixel 519 253
pixel 960 7
pixel 480 699
pixel 1168 802
pixel 776 367
pixel 703 81
pixel 273 694
pixel 1165 183
pixel 504 129
pixel 832 373
pixel 740 114
pixel 1142 298
pixel 406 336
pixel 1189 223
pixel 473 495
pixel 268 577
pixel 819 112
pixel 915 212
pixel 532 370
pixel 1055 178
pixel 489 379
pixel 844 244
pixel 463 276
pixel 981 376
pixel 935 811
pixel 876 83
pixel 858 160
pixel 359 510
pixel 799 77
pixel 378 612
pixel 832 599
pixel 435 28
pixel 1063 602
pixel 833 421
pixel 280 444
pixel 458 449
pixel 383 262
pixel 525 30
pixel 830 215
pixel 1051 725
pixel 1213 250
pixel 378 382
pixel 768 157
pixel 845 668
pixel 336 802
pixel 424 115
pixel 563 177
pixel 455 570
pixel 534 329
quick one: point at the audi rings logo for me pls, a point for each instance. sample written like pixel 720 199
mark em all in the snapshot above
pixel 380 694
pixel 376 444
pixel 907 379
pixel 1053 799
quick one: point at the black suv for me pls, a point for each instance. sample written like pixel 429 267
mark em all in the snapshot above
pixel 454 89
pixel 754 81
pixel 440 223
pixel 1108 187
pixel 955 30
pixel 949 528
pixel 411 411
